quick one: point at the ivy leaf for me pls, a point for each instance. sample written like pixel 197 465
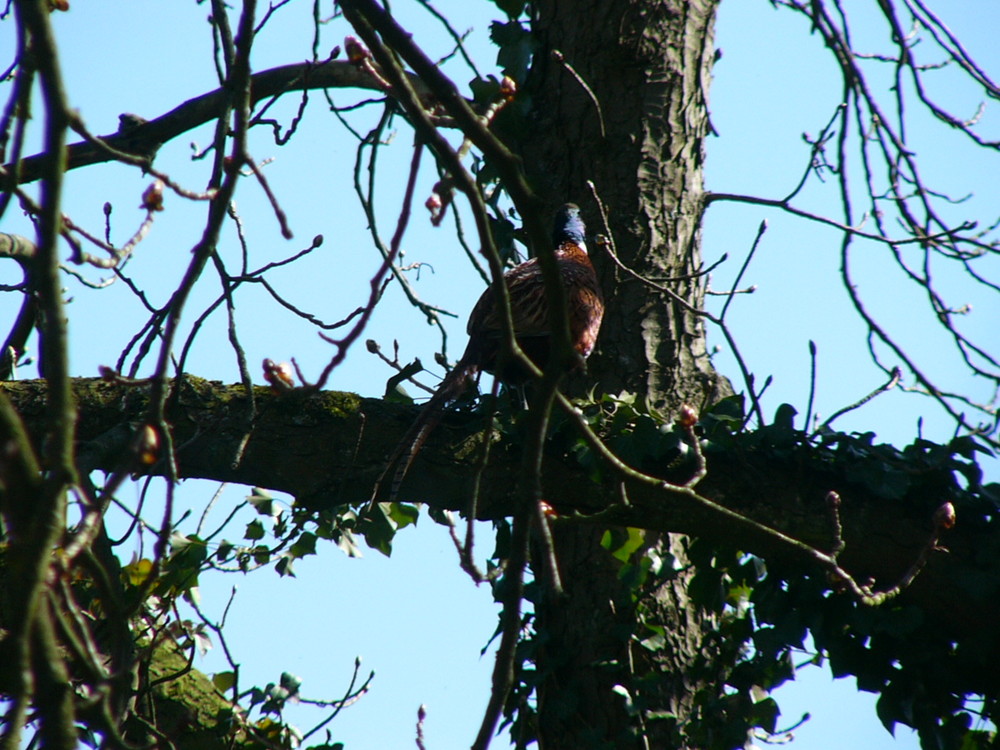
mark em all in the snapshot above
pixel 304 545
pixel 516 45
pixel 269 728
pixel 378 528
pixel 394 391
pixel 707 589
pixel 656 642
pixel 623 542
pixel 201 638
pixel 624 693
pixel 967 446
pixel 255 531
pixel 291 683
pixel 137 572
pixel 883 479
pixel 403 514
pixel 765 714
pixel 484 91
pixel 345 540
pixel 224 681
pixel 438 516
pixel 180 573
pixel 886 713
pixel 730 409
pixel 513 8
pixel 503 230
pixel 262 501
pixel 992 493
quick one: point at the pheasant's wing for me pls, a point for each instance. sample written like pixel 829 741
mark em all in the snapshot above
pixel 528 306
pixel 586 309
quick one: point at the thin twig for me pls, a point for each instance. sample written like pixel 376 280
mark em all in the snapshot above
pixel 894 378
pixel 746 262
pixel 561 59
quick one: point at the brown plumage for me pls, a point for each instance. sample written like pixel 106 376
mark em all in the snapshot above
pixel 530 314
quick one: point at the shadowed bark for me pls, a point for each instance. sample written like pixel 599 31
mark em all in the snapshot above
pixel 329 448
pixel 638 136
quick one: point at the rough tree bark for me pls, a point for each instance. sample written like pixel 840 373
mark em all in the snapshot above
pixel 638 136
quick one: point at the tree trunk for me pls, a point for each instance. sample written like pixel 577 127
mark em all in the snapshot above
pixel 638 136
pixel 648 66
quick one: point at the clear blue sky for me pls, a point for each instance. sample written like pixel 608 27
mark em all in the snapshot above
pixel 415 618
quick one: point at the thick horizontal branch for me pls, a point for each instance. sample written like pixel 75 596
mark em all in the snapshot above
pixel 142 138
pixel 329 448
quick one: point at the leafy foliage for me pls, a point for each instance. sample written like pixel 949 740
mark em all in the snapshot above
pixel 771 612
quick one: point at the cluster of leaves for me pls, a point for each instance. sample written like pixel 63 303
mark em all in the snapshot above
pixel 278 536
pixel 166 643
pixel 766 613
pixel 769 612
pixel 891 649
pixel 295 532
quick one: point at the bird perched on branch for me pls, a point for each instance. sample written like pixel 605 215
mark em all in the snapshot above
pixel 529 307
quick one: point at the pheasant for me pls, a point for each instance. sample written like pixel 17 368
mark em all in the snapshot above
pixel 530 314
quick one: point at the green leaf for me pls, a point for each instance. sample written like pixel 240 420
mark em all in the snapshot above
pixel 707 589
pixel 730 409
pixel 137 572
pixel 403 514
pixel 378 528
pixel 516 45
pixel 262 501
pixel 765 714
pixel 484 91
pixel 513 8
pixel 438 516
pixel 345 540
pixel 660 715
pixel 290 682
pixel 180 573
pixel 654 643
pixel 886 713
pixel 192 593
pixel 967 447
pixel 622 543
pixel 224 681
pixel 304 545
pixel 255 531
pixel 624 693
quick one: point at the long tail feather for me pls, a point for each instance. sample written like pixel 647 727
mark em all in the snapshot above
pixel 430 416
